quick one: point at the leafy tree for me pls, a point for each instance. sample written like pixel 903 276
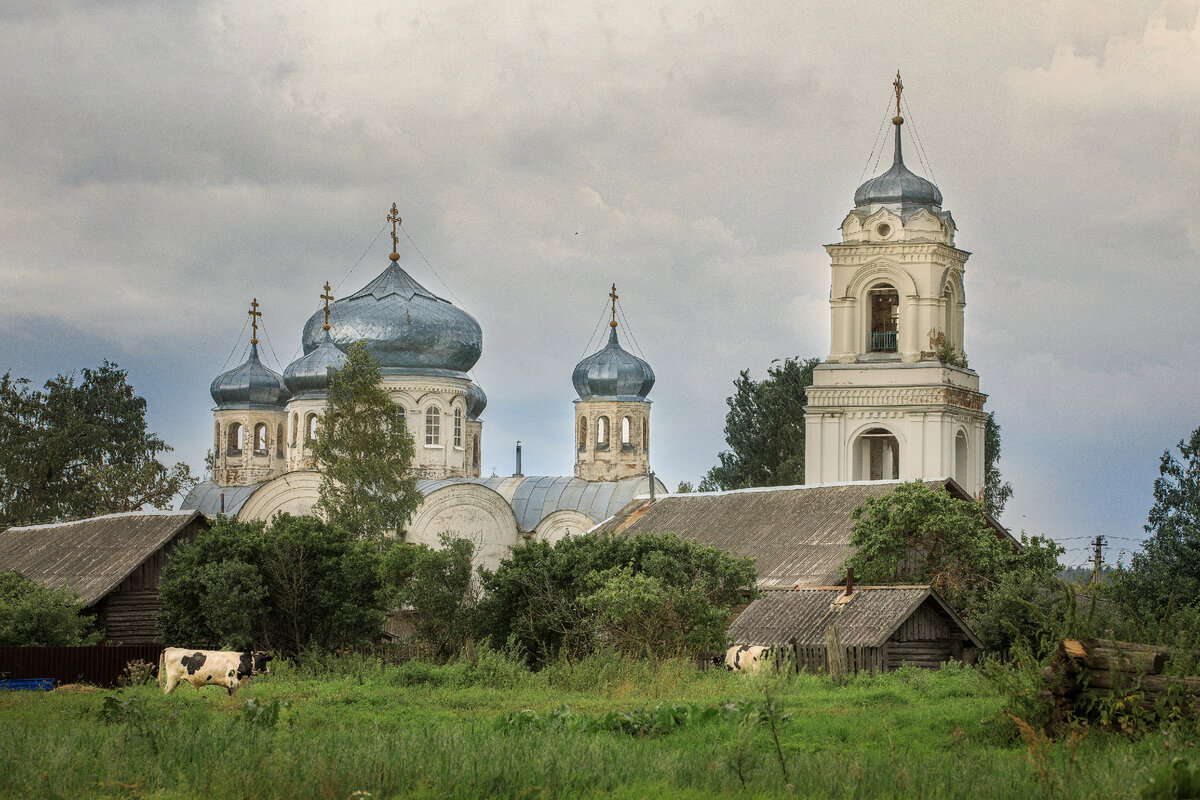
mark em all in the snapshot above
pixel 571 597
pixel 364 453
pixel 33 616
pixel 82 448
pixel 764 429
pixel 685 487
pixel 996 490
pixel 298 584
pixel 439 587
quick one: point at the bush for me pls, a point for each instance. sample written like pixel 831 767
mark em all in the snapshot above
pixel 439 587
pixel 33 616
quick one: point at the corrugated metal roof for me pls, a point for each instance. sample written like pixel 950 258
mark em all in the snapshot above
pixel 92 556
pixel 206 498
pixel 800 535
pixel 867 619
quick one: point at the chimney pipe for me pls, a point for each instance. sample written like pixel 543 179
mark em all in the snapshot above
pixel 849 581
pixel 650 480
pixel 517 474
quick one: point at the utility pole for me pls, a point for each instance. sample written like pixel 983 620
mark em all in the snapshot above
pixel 1098 557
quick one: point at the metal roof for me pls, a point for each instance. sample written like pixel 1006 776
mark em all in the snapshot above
pixel 308 375
pixel 612 373
pixel 899 186
pixel 867 618
pixel 534 498
pixel 92 556
pixel 206 498
pixel 249 385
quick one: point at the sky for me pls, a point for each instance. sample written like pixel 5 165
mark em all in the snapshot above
pixel 163 163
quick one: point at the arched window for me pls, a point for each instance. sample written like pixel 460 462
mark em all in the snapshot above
pixel 216 436
pixel 645 434
pixel 295 428
pixel 582 433
pixel 948 316
pixel 884 325
pixel 458 427
pixel 876 456
pixel 260 439
pixel 626 425
pixel 475 451
pixel 602 433
pixel 433 426
pixel 403 413
pixel 234 439
pixel 279 440
pixel 310 428
pixel 961 461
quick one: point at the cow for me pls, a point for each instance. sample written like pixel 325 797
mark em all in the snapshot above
pixel 226 668
pixel 746 658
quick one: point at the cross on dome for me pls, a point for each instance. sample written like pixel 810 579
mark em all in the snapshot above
pixel 394 218
pixel 613 295
pixel 254 315
pixel 327 297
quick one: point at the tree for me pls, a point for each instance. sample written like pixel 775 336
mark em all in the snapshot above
pixel 996 491
pixel 439 587
pixel 685 487
pixel 764 429
pixel 300 583
pixel 578 594
pixel 73 450
pixel 33 616
pixel 364 453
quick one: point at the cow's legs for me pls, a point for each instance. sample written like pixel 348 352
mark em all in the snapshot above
pixel 172 682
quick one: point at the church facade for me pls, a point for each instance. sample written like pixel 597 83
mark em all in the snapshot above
pixel 265 423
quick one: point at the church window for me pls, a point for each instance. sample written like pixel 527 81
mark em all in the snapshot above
pixel 260 439
pixel 279 441
pixel 216 436
pixel 626 426
pixel 884 304
pixel 602 433
pixel 475 451
pixel 961 461
pixel 234 439
pixel 458 427
pixel 433 426
pixel 295 428
pixel 645 434
pixel 876 456
pixel 582 433
pixel 310 428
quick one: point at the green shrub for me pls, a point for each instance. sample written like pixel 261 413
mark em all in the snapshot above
pixel 33 616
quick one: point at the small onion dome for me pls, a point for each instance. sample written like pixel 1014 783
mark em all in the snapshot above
pixel 309 374
pixel 252 385
pixel 898 186
pixel 476 401
pixel 407 329
pixel 612 374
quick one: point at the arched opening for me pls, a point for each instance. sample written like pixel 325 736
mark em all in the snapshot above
pixel 876 456
pixel 602 433
pixel 948 317
pixel 583 433
pixel 961 461
pixel 279 441
pixel 458 427
pixel 295 428
pixel 260 439
pixel 645 434
pixel 234 439
pixel 626 430
pixel 216 436
pixel 310 428
pixel 433 426
pixel 884 325
pixel 475 451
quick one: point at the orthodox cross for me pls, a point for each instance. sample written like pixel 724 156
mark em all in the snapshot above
pixel 613 295
pixel 327 297
pixel 394 218
pixel 899 84
pixel 254 315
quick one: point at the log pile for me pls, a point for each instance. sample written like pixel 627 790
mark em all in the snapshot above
pixel 1082 671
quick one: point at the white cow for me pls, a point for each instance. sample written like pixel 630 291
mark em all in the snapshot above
pixel 225 668
pixel 746 658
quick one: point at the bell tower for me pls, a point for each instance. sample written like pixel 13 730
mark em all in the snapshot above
pixel 895 399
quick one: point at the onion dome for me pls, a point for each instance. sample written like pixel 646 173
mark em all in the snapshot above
pixel 613 374
pixel 252 385
pixel 407 329
pixel 476 401
pixel 309 374
pixel 898 186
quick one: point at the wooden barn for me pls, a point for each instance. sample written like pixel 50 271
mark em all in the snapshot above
pixel 885 627
pixel 113 562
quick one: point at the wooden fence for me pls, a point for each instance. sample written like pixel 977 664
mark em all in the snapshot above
pixel 100 665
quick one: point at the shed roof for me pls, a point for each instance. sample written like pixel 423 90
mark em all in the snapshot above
pixel 92 556
pixel 800 535
pixel 866 619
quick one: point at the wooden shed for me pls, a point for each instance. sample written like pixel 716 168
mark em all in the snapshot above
pixel 887 626
pixel 113 562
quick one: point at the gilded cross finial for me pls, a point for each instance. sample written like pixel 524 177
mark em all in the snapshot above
pixel 899 84
pixel 327 297
pixel 613 295
pixel 254 315
pixel 394 218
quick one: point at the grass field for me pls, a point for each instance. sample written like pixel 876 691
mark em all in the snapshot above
pixel 355 729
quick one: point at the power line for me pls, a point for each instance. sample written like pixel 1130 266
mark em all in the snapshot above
pixel 876 144
pixel 236 342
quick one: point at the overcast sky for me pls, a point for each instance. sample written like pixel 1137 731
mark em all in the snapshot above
pixel 162 163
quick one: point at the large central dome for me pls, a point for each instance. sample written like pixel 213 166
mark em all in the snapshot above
pixel 407 328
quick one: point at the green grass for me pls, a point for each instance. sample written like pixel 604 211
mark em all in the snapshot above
pixel 420 731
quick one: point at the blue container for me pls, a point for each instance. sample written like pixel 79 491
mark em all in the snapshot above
pixel 26 684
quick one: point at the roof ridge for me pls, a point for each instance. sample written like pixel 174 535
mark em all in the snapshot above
pixel 154 512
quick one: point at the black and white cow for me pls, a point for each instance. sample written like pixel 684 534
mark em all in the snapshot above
pixel 225 668
pixel 746 657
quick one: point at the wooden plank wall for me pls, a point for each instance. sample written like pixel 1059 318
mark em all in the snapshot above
pixel 100 665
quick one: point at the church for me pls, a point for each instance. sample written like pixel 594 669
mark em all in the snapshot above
pixel 264 423
pixel 893 401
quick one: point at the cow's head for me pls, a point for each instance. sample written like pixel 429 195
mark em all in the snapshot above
pixel 260 659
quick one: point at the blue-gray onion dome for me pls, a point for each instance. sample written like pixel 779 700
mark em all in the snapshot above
pixel 898 186
pixel 252 385
pixel 309 374
pixel 612 374
pixel 476 400
pixel 407 328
